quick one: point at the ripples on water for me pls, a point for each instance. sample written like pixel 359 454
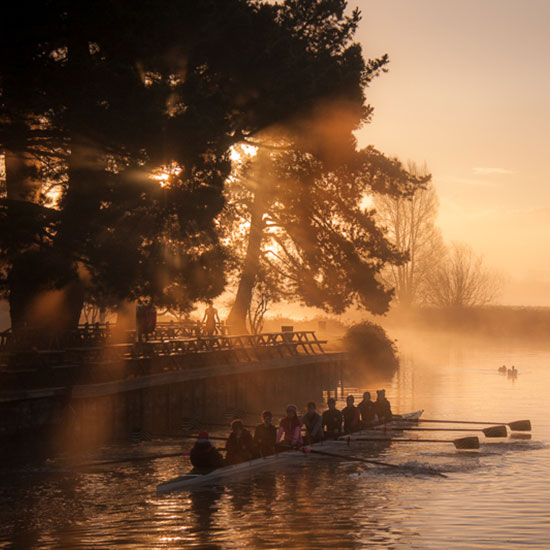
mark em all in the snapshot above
pixel 496 498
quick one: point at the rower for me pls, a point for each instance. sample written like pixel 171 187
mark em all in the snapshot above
pixel 265 435
pixel 204 456
pixel 239 445
pixel 313 423
pixel 382 407
pixel 332 420
pixel 366 410
pixel 290 428
pixel 351 415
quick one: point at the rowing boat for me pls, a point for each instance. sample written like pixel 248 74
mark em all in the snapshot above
pixel 192 480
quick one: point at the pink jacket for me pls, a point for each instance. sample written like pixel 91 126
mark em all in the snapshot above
pixel 291 430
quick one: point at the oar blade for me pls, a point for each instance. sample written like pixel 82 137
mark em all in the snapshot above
pixel 520 435
pixel 520 426
pixel 471 442
pixel 495 431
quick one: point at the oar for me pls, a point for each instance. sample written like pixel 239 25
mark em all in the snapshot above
pixel 209 437
pixel 516 426
pixel 471 442
pixel 493 431
pixel 227 425
pixel 130 459
pixel 186 452
pixel 366 460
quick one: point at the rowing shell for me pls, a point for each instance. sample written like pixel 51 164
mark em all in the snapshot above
pixel 190 480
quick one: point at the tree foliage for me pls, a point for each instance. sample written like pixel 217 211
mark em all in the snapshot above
pixel 372 352
pixel 309 237
pixel 95 98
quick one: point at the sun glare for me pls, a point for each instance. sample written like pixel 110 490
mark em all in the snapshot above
pixel 165 173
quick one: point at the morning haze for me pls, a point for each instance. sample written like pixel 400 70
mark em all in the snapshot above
pixel 467 92
pixel 263 274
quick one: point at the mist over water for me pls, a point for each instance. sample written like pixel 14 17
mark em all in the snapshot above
pixel 495 498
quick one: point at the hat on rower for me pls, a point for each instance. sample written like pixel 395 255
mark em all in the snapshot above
pixel 291 408
pixel 203 434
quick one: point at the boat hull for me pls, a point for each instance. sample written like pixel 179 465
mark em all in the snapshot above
pixel 190 480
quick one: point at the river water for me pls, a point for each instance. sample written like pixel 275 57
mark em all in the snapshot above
pixel 497 497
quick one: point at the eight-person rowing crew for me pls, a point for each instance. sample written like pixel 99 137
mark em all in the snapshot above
pixel 268 440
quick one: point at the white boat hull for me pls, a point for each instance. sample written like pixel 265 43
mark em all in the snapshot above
pixel 189 481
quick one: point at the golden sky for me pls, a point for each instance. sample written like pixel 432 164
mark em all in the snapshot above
pixel 468 91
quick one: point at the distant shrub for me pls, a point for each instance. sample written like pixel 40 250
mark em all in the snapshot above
pixel 371 351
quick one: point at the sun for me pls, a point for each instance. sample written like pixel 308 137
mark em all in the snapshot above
pixel 165 173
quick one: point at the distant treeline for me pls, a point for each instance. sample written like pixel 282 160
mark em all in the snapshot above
pixel 487 321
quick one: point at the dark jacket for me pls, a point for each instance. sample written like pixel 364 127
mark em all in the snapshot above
pixel 239 449
pixel 382 408
pixel 366 409
pixel 264 439
pixel 314 427
pixel 205 456
pixel 332 421
pixel 351 418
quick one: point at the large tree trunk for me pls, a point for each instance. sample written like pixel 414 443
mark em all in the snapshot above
pixel 22 193
pixel 237 316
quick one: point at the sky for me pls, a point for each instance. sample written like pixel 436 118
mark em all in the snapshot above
pixel 468 92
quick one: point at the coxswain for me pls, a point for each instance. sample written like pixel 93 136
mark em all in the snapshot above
pixel 290 428
pixel 204 456
pixel 313 424
pixel 239 445
pixel 265 435
pixel 351 415
pixel 332 420
pixel 366 410
pixel 382 407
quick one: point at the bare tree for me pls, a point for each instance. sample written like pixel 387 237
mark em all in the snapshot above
pixel 409 223
pixel 461 280
pixel 258 308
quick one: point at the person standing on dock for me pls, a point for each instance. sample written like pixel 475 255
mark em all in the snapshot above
pixel 210 319
pixel 265 435
pixel 239 445
pixel 382 407
pixel 332 420
pixel 366 410
pixel 204 456
pixel 290 428
pixel 313 423
pixel 351 415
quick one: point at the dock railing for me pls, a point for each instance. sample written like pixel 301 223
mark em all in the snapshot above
pixel 91 356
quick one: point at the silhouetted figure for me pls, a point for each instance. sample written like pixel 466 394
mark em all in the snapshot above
pixel 290 428
pixel 265 435
pixel 204 456
pixel 502 369
pixel 382 407
pixel 313 423
pixel 239 445
pixel 332 420
pixel 367 411
pixel 146 320
pixel 210 319
pixel 351 415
